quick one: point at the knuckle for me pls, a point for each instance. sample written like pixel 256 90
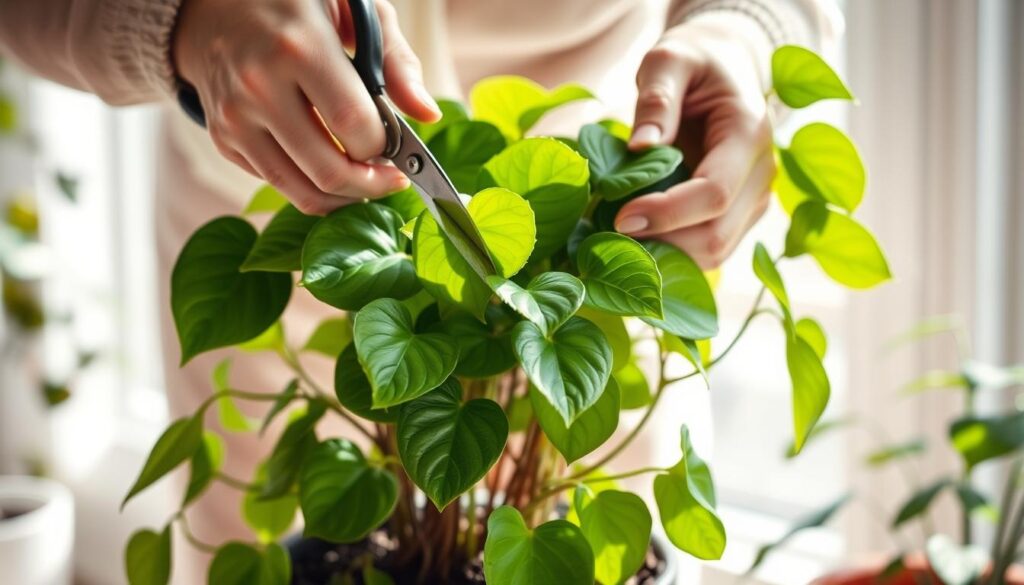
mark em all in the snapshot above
pixel 718 197
pixel 330 180
pixel 292 44
pixel 275 176
pixel 229 113
pixel 717 244
pixel 309 205
pixel 663 54
pixel 386 11
pixel 655 99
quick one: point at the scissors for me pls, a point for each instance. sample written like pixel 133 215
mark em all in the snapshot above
pixel 403 146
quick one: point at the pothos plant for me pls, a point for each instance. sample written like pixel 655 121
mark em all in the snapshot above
pixel 474 403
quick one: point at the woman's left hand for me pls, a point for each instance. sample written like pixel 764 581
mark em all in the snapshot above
pixel 701 88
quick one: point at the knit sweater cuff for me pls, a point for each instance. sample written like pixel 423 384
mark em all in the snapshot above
pixel 779 19
pixel 138 37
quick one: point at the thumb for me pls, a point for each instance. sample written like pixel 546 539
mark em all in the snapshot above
pixel 403 73
pixel 661 83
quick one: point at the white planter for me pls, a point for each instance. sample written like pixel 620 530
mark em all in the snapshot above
pixel 35 546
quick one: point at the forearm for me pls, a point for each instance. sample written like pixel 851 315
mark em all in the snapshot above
pixel 117 49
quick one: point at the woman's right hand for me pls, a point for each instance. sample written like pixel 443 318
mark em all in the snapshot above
pixel 278 87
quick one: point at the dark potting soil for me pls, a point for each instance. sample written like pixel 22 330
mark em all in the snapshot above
pixel 317 562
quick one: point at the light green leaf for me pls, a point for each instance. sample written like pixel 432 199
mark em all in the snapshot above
pixel 979 439
pixel 589 431
pixel 618 527
pixel 175 446
pixel 266 199
pixel 214 304
pixel 617 128
pixel 147 557
pixel 614 329
pixel 547 301
pixel 400 363
pixel 270 340
pixel 282 402
pixel 620 275
pixel 240 564
pixel 205 462
pixel 552 177
pixel 890 453
pixel 822 428
pixel 330 337
pixel 353 389
pixel 8 115
pixel 686 502
pixel 769 275
pixel 687 300
pixel 823 162
pixel 507 226
pixel 356 255
pixel 594 483
pixel 279 247
pixel 800 78
pixel 485 349
pixel 269 519
pixel 935 380
pixel 812 520
pixel 811 389
pixel 633 387
pixel 809 330
pixel 616 171
pixel 514 104
pixel 230 418
pixel 462 148
pixel 571 368
pixel 291 451
pixel 919 502
pixel 844 249
pixel 554 552
pixel 343 497
pixel 452 111
pixel 447 446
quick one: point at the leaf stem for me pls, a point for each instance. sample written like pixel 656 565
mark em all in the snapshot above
pixel 235 482
pixel 191 538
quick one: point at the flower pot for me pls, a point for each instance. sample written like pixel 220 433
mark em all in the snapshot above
pixel 916 572
pixel 332 557
pixel 36 531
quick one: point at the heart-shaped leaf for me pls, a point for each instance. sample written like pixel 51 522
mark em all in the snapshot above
pixel 215 305
pixel 240 564
pixel 768 274
pixel 554 552
pixel 979 439
pixel 571 368
pixel 953 563
pixel 343 497
pixel 485 349
pixel 279 247
pixel 810 331
pixel 407 202
pixel 634 390
pixel 811 388
pixel 800 77
pixel 919 502
pixel 353 389
pixel 269 519
pixel 356 255
pixel 175 446
pixel 552 177
pixel 452 112
pixel 823 162
pixel 507 226
pixel 686 502
pixel 148 558
pixel 618 527
pixel 547 301
pixel 206 462
pixel 447 446
pixel 621 276
pixel 687 300
pixel 463 147
pixel 400 363
pixel 844 249
pixel 616 171
pixel 614 329
pixel 514 104
pixel 590 430
pixel 290 452
pixel 330 337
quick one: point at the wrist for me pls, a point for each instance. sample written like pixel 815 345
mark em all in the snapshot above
pixel 181 53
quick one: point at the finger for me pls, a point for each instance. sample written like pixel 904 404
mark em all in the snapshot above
pixel 276 168
pixel 403 73
pixel 716 183
pixel 330 82
pixel 300 132
pixel 661 83
pixel 711 242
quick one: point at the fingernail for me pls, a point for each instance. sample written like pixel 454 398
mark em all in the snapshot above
pixel 632 224
pixel 645 135
pixel 424 96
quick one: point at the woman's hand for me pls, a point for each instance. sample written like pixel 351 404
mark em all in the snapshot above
pixel 701 88
pixel 278 87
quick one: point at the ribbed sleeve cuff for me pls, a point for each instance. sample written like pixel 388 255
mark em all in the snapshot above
pixel 138 37
pixel 781 21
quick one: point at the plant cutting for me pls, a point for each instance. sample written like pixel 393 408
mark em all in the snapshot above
pixel 478 403
pixel 975 439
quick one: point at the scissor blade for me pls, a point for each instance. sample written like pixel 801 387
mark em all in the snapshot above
pixel 442 200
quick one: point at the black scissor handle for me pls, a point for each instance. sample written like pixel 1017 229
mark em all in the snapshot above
pixel 369 56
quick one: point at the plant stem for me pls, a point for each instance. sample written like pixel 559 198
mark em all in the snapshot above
pixel 191 538
pixel 471 543
pixel 1008 535
pixel 235 482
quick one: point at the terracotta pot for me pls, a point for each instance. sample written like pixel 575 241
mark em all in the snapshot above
pixel 916 573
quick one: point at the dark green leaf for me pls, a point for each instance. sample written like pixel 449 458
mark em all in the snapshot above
pixel 891 453
pixel 353 389
pixel 979 439
pixel 279 247
pixel 800 77
pixel 812 520
pixel 616 171
pixel 206 461
pixel 269 519
pixel 400 363
pixel 919 502
pixel 620 275
pixel 344 497
pixel 175 446
pixel 463 147
pixel 451 113
pixel 148 558
pixel 548 301
pixel 68 186
pixel 687 300
pixel 618 527
pixel 240 564
pixel 356 255
pixel 554 552
pixel 590 430
pixel 214 304
pixel 485 349
pixel 282 402
pixel 447 446
pixel 290 452
pixel 407 202
pixel 571 368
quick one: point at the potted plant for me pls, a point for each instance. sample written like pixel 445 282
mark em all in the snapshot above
pixel 36 531
pixel 477 404
pixel 976 439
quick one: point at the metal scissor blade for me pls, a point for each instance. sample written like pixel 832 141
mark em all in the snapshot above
pixel 442 200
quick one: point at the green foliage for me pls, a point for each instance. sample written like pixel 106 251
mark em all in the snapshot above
pixel 434 364
pixel 147 557
pixel 813 520
pixel 800 78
